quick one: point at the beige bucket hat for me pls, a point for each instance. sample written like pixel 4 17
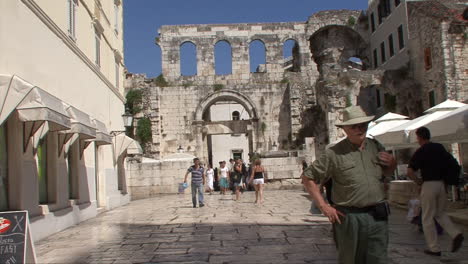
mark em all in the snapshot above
pixel 354 115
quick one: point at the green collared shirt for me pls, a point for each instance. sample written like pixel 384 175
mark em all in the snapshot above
pixel 357 176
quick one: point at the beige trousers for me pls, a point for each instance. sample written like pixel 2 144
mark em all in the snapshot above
pixel 433 203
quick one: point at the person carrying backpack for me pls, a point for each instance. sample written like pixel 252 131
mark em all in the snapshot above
pixel 433 161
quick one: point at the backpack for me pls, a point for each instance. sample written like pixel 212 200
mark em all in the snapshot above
pixel 452 172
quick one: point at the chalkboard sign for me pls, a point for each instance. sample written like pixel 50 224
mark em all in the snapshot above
pixel 13 237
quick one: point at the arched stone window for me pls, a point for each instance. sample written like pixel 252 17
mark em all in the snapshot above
pixel 188 59
pixel 223 58
pixel 291 56
pixel 235 115
pixel 257 54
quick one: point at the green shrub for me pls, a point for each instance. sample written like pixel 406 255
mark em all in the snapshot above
pixel 160 81
pixel 218 87
pixel 351 21
pixel 133 101
pixel 143 130
pixel 263 127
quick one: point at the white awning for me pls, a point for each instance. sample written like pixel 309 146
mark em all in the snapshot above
pixel 123 144
pixel 12 91
pixel 41 113
pixel 82 129
pixel 385 123
pixel 403 136
pixel 102 136
pixel 452 127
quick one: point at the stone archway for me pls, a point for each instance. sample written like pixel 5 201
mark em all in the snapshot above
pixel 225 95
pixel 206 128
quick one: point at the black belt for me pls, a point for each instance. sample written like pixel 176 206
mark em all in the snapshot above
pixel 355 210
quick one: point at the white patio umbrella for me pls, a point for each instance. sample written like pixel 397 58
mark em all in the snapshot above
pixel 452 127
pixel 385 123
pixel 403 136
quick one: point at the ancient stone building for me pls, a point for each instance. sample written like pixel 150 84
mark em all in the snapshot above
pixel 284 106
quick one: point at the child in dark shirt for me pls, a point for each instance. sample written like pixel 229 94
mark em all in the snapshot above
pixel 236 178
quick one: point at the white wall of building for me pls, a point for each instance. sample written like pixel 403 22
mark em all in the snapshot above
pixel 224 145
pixel 35 45
pixel 389 25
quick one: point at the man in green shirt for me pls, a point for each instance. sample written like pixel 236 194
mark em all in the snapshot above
pixel 357 167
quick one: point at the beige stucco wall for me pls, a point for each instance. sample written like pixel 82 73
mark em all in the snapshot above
pixel 36 47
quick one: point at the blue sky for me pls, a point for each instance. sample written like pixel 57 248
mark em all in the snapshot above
pixel 142 18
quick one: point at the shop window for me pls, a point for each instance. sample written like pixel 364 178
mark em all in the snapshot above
pixel 382 52
pixel 223 58
pixel 117 74
pixel 235 115
pixel 383 10
pixel 376 61
pixel 432 98
pixel 378 99
pixel 97 40
pixel 427 58
pixel 391 48
pixel 116 16
pixel 188 59
pixel 257 54
pixel 72 159
pixel 390 102
pixel 42 170
pixel 237 154
pixel 72 6
pixel 3 169
pixel 401 40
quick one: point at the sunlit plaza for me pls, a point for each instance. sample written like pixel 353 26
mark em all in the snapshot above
pixel 105 104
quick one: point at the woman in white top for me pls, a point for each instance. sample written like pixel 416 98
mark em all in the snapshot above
pixel 209 179
pixel 224 178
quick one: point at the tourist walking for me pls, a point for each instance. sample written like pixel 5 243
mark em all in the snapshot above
pixel 198 180
pixel 223 178
pixel 257 177
pixel 237 179
pixel 209 179
pixel 360 213
pixel 432 159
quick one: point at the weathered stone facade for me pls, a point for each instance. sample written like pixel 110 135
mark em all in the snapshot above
pixel 290 109
pixel 438 51
pixel 279 102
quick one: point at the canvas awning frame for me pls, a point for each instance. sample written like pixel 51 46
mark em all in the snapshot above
pixel 42 112
pixel 122 143
pixel 102 135
pixel 82 130
pixel 403 136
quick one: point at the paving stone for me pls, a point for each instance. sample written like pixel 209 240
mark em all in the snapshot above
pixel 123 236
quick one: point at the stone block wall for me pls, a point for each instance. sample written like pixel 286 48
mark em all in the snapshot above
pixel 278 99
pixel 283 168
pixel 158 177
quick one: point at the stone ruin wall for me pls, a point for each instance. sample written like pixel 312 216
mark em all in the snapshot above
pixel 280 99
pixel 284 106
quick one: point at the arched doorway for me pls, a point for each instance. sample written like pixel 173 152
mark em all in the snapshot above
pixel 226 125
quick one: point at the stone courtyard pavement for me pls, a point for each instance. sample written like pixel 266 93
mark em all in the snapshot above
pixel 166 229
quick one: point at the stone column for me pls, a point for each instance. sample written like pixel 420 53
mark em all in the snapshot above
pixel 240 58
pixel 205 58
pixel 170 60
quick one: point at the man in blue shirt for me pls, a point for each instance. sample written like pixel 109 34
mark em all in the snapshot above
pixel 198 180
